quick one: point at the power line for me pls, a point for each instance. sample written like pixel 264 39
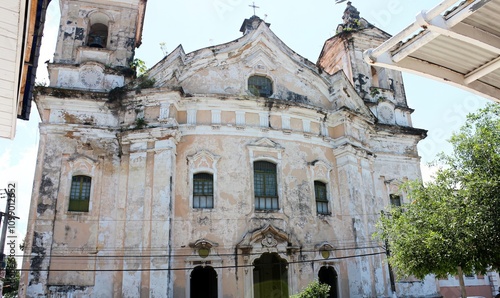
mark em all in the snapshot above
pixel 191 268
pixel 96 256
pixel 218 219
pixel 338 243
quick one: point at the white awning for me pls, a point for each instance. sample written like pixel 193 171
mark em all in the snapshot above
pixel 457 42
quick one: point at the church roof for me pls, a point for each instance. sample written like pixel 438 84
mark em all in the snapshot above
pixel 224 69
pixel 249 33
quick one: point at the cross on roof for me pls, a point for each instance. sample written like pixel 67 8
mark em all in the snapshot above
pixel 254 7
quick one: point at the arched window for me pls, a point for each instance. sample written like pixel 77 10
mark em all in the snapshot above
pixel 321 197
pixel 260 86
pixel 328 275
pixel 79 196
pixel 266 186
pixel 203 282
pixel 98 36
pixel 203 190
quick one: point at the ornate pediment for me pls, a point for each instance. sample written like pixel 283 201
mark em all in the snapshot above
pixel 265 237
pixel 321 170
pixel 203 243
pixel 265 143
pixel 203 160
pixel 82 164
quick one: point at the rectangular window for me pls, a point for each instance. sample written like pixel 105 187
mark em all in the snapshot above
pixel 395 200
pixel 266 186
pixel 321 197
pixel 203 190
pixel 79 196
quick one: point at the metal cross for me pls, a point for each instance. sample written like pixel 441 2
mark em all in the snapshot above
pixel 254 7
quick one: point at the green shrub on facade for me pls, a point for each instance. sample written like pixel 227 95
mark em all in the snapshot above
pixel 314 290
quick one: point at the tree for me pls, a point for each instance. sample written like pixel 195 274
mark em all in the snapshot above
pixel 314 290
pixel 11 281
pixel 452 225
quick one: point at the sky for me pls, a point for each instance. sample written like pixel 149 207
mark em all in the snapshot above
pixel 303 26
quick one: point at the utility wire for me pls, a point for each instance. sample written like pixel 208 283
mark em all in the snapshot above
pixel 339 243
pixel 191 268
pixel 96 256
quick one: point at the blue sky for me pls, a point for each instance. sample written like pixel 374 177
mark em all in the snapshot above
pixel 303 26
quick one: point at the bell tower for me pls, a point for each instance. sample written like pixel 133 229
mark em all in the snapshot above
pixel 381 89
pixel 96 43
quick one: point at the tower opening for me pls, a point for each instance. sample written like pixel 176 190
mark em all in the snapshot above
pixel 98 36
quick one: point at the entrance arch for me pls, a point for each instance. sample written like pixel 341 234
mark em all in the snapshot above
pixel 328 275
pixel 203 282
pixel 270 276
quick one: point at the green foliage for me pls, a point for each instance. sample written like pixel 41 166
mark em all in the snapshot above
pixel 314 290
pixel 140 123
pixel 139 66
pixel 145 82
pixel 374 92
pixel 453 221
pixel 11 281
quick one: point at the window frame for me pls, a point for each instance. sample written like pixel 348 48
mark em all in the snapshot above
pixel 102 18
pixel 393 197
pixel 325 202
pixel 259 87
pixel 267 196
pixel 80 203
pixel 198 196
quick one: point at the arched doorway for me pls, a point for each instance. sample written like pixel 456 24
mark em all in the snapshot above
pixel 328 275
pixel 270 276
pixel 203 282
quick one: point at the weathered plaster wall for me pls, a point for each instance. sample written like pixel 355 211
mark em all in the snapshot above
pixel 142 150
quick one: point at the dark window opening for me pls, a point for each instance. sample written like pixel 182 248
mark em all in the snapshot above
pixel 266 186
pixel 328 275
pixel 395 200
pixel 203 190
pixel 98 36
pixel 270 277
pixel 79 196
pixel 321 197
pixel 203 282
pixel 260 86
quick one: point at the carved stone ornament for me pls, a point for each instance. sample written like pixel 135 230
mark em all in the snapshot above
pixel 91 77
pixel 269 241
pixel 386 114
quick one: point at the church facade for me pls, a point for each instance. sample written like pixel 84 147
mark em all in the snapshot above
pixel 237 170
